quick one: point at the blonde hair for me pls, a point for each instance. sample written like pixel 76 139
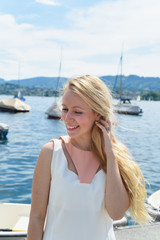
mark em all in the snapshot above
pixel 97 95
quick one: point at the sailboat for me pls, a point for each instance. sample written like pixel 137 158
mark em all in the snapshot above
pixel 125 106
pixel 19 94
pixel 16 103
pixel 54 112
pixel 13 105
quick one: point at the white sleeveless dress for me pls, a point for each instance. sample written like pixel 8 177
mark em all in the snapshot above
pixel 76 210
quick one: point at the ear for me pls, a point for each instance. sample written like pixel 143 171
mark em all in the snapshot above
pixel 98 117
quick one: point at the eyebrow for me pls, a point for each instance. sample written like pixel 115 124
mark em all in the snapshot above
pixel 73 106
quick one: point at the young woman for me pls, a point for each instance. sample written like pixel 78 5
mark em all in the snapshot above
pixel 84 181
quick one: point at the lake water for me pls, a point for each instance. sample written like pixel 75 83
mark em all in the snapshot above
pixel 28 132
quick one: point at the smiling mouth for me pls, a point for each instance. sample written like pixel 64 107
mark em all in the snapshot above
pixel 72 128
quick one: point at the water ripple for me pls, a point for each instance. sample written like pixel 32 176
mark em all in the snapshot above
pixel 30 131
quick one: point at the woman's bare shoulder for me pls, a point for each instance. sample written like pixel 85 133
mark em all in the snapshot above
pixel 48 146
pixel 46 152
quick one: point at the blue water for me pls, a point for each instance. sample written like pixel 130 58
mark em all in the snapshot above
pixel 28 132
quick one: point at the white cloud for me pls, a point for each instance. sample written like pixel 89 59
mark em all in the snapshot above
pixel 25 44
pixel 48 2
pixel 91 44
pixel 136 22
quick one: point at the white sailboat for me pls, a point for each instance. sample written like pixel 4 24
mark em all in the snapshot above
pixel 13 105
pixel 16 103
pixel 19 94
pixel 54 111
pixel 124 106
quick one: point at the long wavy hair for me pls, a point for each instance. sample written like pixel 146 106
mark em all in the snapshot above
pixel 98 96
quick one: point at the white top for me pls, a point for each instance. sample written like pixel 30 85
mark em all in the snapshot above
pixel 76 210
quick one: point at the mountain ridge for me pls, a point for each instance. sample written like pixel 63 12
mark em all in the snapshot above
pixel 130 82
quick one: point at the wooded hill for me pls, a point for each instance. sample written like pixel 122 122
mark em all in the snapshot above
pixel 131 82
pixel 133 85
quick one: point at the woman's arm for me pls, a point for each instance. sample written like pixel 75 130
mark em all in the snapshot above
pixel 116 198
pixel 40 193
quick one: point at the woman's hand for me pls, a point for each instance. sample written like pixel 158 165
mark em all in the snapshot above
pixel 105 126
pixel 116 198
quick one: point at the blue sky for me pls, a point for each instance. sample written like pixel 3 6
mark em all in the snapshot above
pixel 89 32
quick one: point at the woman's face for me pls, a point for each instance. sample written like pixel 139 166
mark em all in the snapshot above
pixel 77 115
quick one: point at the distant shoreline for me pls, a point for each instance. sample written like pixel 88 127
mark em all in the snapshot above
pixel 148 88
pixel 11 89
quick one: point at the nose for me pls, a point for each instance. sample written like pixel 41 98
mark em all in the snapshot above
pixel 68 117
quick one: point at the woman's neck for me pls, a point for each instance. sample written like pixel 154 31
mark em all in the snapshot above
pixel 81 144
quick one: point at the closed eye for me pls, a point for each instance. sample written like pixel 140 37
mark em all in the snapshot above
pixel 78 112
pixel 64 109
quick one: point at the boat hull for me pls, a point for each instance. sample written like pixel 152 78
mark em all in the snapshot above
pixel 153 207
pixel 3 130
pixel 128 109
pixel 14 221
pixel 54 117
pixel 12 110
pixel 3 135
pixel 13 105
pixel 12 236
pixel 54 112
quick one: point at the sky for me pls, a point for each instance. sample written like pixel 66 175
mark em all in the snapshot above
pixel 87 35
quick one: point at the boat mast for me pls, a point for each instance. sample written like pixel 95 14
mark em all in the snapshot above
pixel 59 73
pixel 121 59
pixel 19 91
pixel 59 76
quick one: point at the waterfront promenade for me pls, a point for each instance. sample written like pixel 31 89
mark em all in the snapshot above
pixel 147 232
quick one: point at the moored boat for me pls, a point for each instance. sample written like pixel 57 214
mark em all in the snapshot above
pixel 126 107
pixel 54 111
pixel 3 130
pixel 13 105
pixel 153 206
pixel 14 219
